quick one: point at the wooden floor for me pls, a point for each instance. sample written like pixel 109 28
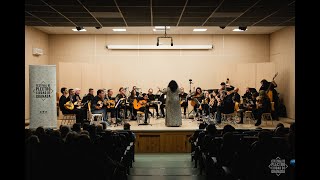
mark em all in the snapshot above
pixel 190 124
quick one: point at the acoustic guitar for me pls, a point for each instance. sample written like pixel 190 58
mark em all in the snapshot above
pixel 139 104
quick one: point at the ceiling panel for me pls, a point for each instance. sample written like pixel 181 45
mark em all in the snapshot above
pixel 137 12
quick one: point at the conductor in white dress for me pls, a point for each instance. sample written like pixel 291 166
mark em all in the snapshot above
pixel 173 109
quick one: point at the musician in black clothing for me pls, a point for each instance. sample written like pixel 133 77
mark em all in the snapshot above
pixel 88 97
pixel 162 99
pixel 77 103
pixel 265 85
pixel 197 99
pixel 236 95
pixel 62 104
pixel 263 106
pixel 236 99
pixel 97 106
pixel 247 95
pixel 131 98
pixel 144 108
pixel 122 104
pixel 152 98
pixel 183 100
pixel 112 110
pixel 134 88
pixel 228 104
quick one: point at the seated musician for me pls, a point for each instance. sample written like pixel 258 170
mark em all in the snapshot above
pixel 162 99
pixel 111 103
pixel 220 104
pixel 248 95
pixel 152 98
pixel 205 103
pixel 97 106
pixel 213 102
pixel 88 97
pixel 66 107
pixel 197 98
pixel 237 99
pixel 78 103
pixel 144 106
pixel 134 88
pixel 131 98
pixel 263 106
pixel 228 104
pixel 122 104
pixel 183 100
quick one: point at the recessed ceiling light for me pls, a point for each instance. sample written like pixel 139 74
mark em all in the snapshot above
pixel 119 29
pixel 239 30
pixel 200 30
pixel 162 27
pixel 79 30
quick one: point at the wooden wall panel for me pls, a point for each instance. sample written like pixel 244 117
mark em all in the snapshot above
pixel 148 143
pixel 163 142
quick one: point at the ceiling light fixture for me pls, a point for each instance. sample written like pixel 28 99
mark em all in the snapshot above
pixel 119 30
pixel 243 28
pixel 239 30
pixel 79 29
pixel 165 36
pixel 199 30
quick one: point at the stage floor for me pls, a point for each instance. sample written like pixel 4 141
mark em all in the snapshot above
pixel 191 125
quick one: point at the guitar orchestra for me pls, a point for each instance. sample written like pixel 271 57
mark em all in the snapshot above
pixel 205 103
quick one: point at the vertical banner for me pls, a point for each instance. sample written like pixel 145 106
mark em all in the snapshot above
pixel 43 110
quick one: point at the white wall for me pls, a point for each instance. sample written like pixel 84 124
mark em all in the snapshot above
pixel 231 57
pixel 34 38
pixel 282 54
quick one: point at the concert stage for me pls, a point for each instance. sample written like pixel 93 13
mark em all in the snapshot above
pixel 157 138
pixel 191 125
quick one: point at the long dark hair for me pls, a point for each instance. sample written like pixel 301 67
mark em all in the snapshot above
pixel 173 85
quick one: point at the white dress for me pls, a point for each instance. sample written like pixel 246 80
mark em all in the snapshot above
pixel 173 109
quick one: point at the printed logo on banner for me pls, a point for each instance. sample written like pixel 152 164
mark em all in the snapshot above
pixel 43 91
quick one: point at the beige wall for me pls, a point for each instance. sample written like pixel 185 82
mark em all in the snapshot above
pixel 232 57
pixel 282 53
pixel 84 61
pixel 34 38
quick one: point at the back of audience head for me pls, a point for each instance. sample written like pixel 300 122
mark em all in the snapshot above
pixel 280 130
pixel 85 126
pixel 99 128
pixel 84 139
pixel 71 138
pixel 33 139
pixel 211 128
pixel 126 126
pixel 92 129
pixel 202 125
pixel 76 127
pixel 228 128
pixel 40 131
pixel 64 131
pixel 279 125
